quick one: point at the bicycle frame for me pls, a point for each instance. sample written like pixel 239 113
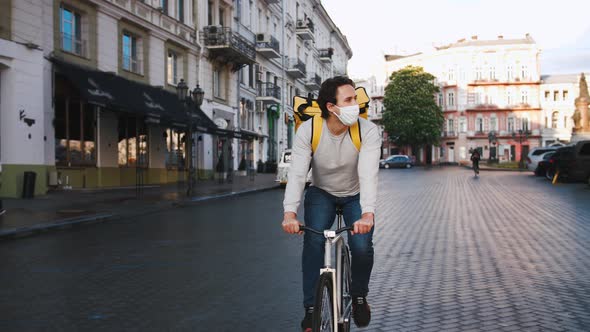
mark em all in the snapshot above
pixel 338 240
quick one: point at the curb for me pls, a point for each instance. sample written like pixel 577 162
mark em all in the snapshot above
pixel 40 228
pixel 14 233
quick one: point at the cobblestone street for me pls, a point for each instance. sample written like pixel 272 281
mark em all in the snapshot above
pixel 503 252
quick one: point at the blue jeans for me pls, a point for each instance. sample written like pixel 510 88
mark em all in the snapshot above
pixel 320 212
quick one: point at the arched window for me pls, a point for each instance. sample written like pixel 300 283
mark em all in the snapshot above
pixel 554 119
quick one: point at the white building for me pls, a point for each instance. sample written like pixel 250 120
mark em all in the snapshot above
pixel 558 95
pixel 88 92
pixel 486 87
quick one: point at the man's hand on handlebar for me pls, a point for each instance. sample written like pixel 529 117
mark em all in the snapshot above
pixel 291 224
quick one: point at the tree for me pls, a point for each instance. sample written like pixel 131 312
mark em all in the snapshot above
pixel 411 114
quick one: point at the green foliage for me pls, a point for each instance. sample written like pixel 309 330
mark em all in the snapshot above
pixel 411 115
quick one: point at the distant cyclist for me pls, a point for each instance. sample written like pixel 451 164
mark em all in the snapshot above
pixel 341 175
pixel 475 157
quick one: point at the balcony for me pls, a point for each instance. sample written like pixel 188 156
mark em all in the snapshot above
pixel 269 93
pixel 314 82
pixel 73 45
pixel 268 46
pixel 228 46
pixel 449 134
pixel 326 55
pixel 304 29
pixel 296 68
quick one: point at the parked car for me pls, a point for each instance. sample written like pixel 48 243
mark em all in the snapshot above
pixel 399 161
pixel 543 164
pixel 283 168
pixel 534 157
pixel 572 162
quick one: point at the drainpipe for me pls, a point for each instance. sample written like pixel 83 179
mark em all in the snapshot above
pixel 283 84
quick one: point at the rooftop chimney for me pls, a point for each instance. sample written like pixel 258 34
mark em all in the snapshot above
pixel 474 37
pixel 500 37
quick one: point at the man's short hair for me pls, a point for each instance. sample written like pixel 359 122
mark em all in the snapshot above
pixel 328 90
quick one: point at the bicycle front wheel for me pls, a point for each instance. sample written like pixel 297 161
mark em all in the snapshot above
pixel 346 299
pixel 323 313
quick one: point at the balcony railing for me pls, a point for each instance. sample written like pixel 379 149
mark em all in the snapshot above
pixel 233 46
pixel 326 54
pixel 73 44
pixel 133 65
pixel 297 68
pixel 314 82
pixel 305 29
pixel 272 43
pixel 269 89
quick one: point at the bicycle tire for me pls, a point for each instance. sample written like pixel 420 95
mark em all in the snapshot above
pixel 346 298
pixel 323 313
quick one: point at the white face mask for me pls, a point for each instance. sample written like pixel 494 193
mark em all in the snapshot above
pixel 348 114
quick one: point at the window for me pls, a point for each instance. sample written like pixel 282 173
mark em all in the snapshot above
pixel 175 152
pixel 216 83
pixel 172 67
pixel 164 6
pixel 462 125
pixel 509 73
pixel 493 123
pixel 565 94
pixel 210 13
pixel 492 73
pixel 547 94
pixel 510 124
pixel 508 98
pixel 565 122
pixel 555 95
pixel 546 122
pixel 554 119
pixel 133 142
pixel 451 75
pixel 130 53
pixel 180 10
pixel 524 72
pixel 221 17
pixel 450 125
pixel 478 73
pixel 524 123
pixel 440 99
pixel 479 124
pixel 524 96
pixel 71 31
pixel 75 133
pixel 451 99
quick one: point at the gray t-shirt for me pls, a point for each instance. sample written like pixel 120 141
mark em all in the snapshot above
pixel 337 166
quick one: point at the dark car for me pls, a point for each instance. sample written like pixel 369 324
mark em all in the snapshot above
pixel 543 164
pixel 572 162
pixel 396 161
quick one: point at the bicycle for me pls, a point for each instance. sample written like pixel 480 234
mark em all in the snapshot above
pixel 328 297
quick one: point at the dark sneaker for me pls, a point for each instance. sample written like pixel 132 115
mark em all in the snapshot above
pixel 307 320
pixel 361 311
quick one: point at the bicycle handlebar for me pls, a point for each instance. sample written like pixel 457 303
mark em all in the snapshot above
pixel 338 231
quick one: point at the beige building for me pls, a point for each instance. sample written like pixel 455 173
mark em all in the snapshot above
pixel 88 88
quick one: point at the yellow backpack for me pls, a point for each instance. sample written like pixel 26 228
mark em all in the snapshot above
pixel 308 108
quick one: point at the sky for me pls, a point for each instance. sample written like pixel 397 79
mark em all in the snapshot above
pixel 560 28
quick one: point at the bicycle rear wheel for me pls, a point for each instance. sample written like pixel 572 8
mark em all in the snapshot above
pixel 323 313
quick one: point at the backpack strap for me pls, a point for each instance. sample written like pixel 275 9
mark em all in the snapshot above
pixel 355 134
pixel 316 132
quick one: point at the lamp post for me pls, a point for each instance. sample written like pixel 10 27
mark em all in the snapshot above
pixel 190 99
pixel 522 135
pixel 493 140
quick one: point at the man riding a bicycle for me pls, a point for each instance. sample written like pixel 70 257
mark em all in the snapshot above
pixel 475 157
pixel 341 176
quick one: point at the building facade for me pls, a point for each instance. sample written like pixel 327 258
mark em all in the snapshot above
pixel 558 94
pixel 489 93
pixel 88 88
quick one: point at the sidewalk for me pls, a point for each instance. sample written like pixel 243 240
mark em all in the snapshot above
pixel 64 208
pixel 485 167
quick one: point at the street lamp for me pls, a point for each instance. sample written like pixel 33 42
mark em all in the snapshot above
pixel 522 135
pixel 493 140
pixel 193 98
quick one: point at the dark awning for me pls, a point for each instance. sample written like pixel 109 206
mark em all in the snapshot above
pixel 117 93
